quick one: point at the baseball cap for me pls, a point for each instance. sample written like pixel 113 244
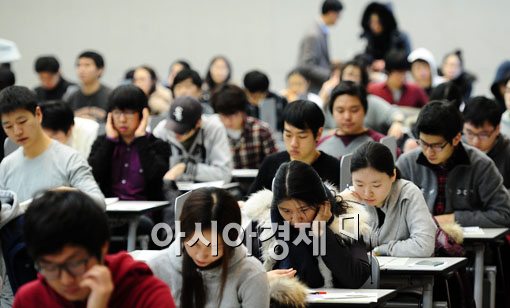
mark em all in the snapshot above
pixel 184 114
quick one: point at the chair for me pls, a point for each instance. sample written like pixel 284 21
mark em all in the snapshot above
pixel 345 171
pixel 391 143
pixel 374 280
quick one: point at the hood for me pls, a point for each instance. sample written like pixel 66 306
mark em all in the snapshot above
pixel 10 207
pixel 427 56
pixel 288 292
pixel 502 73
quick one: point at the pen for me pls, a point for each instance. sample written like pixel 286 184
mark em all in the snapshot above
pixel 318 292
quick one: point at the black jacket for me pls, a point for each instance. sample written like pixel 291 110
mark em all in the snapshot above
pixel 154 157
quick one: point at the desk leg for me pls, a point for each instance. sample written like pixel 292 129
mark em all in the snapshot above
pixel 428 291
pixel 131 240
pixel 479 254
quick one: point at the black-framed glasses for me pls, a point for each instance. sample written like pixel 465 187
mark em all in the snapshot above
pixel 53 271
pixel 481 135
pixel 436 147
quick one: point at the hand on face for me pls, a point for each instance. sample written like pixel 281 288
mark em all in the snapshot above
pixel 99 280
pixel 141 130
pixel 324 214
pixel 111 132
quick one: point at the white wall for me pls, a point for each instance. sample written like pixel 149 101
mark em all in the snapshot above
pixel 261 34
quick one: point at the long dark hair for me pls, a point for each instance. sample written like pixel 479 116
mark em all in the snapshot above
pixel 203 206
pixel 374 155
pixel 208 78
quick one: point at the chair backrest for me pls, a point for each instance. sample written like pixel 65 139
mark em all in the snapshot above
pixel 179 202
pixel 391 143
pixel 345 172
pixel 374 280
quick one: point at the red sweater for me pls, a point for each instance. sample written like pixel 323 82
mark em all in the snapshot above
pixel 135 286
pixel 412 95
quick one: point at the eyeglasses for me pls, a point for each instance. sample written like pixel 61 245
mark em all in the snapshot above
pixel 129 114
pixel 436 147
pixel 481 136
pixel 53 271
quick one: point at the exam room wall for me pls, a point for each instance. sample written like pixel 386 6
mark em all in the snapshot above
pixel 261 34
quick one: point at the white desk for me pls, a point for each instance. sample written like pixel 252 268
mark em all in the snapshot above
pixel 132 210
pixel 350 297
pixel 245 173
pixel 187 186
pixel 476 240
pixel 413 270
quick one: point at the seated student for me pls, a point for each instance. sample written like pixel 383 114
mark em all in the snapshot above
pixel 250 139
pixel 459 182
pixel 303 126
pixel 199 276
pixel 199 145
pixel 298 199
pixel 395 89
pixel 91 100
pixel 7 78
pixel 67 236
pixel 424 69
pixel 499 86
pixel 188 83
pixel 127 162
pixel 401 223
pixel 40 162
pixel 175 68
pixel 264 104
pixel 60 124
pixel 505 118
pixel 160 97
pixel 452 69
pixel 349 105
pixel 482 118
pixel 53 85
pixel 298 85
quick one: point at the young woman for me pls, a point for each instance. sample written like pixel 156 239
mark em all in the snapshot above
pixel 159 97
pixel 453 70
pixel 298 88
pixel 401 223
pixel 199 276
pixel 218 73
pixel 300 198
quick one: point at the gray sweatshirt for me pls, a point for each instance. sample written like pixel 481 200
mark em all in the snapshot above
pixel 246 284
pixel 408 229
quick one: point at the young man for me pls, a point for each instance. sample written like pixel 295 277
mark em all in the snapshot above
pixel 60 124
pixel 348 105
pixel 424 70
pixel 263 104
pixel 67 236
pixel 53 85
pixel 199 145
pixel 91 100
pixel 313 51
pixel 250 139
pixel 127 162
pixel 187 82
pixel 40 162
pixel 303 126
pixel 459 182
pixel 482 118
pixel 395 89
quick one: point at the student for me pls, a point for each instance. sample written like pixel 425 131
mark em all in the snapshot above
pixel 401 223
pixel 92 99
pixel 160 97
pixel 201 277
pixel 299 197
pixel 127 162
pixel 452 69
pixel 499 85
pixel 53 85
pixel 188 83
pixel 297 88
pixel 505 118
pixel 424 69
pixel 199 145
pixel 39 162
pixel 67 236
pixel 459 182
pixel 250 139
pixel 348 105
pixel 175 68
pixel 482 120
pixel 303 126
pixel 395 89
pixel 264 104
pixel 60 124
pixel 219 73
pixel 7 79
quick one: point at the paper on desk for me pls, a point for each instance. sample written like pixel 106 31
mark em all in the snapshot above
pixel 472 230
pixel 391 261
pixel 186 186
pixel 110 200
pixel 349 295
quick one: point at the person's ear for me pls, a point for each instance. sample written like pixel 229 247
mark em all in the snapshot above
pixel 456 139
pixel 394 176
pixel 497 129
pixel 38 114
pixel 70 131
pixel 199 123
pixel 319 134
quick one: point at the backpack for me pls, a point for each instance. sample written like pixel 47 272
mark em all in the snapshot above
pixel 18 263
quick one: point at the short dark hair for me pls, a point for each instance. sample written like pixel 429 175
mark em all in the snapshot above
pixel 59 218
pixel 299 71
pixel 374 155
pixel 186 74
pixel 7 78
pixel 362 67
pixel 349 88
pixel 47 64
pixel 13 98
pixel 396 60
pixel 304 114
pixel 331 5
pixel 127 97
pixel 96 57
pixel 184 63
pixel 256 81
pixel 439 118
pixel 447 91
pixel 229 99
pixel 57 116
pixel 481 109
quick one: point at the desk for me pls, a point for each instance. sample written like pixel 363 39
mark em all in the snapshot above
pixel 394 268
pixel 187 186
pixel 350 297
pixel 476 240
pixel 132 210
pixel 245 173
